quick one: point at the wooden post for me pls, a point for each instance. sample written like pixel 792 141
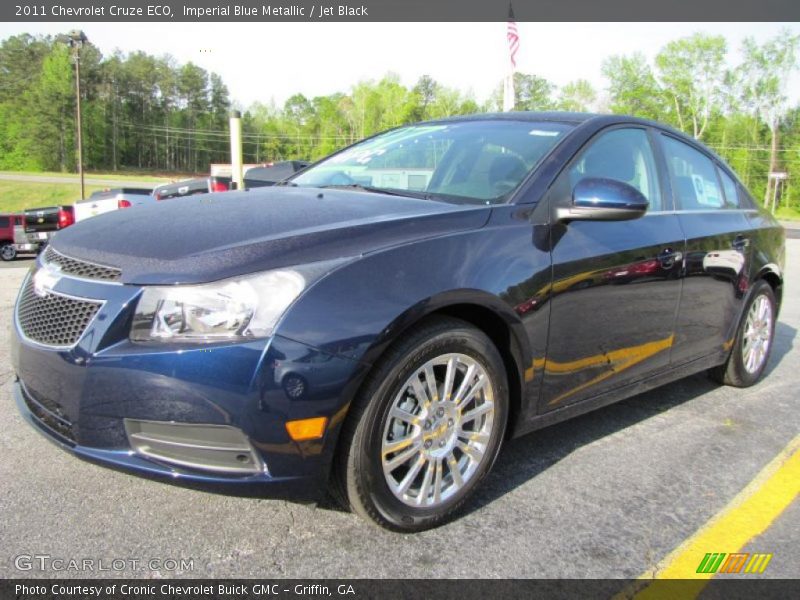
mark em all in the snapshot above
pixel 237 174
pixel 78 110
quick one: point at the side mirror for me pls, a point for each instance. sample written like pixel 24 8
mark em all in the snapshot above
pixel 599 199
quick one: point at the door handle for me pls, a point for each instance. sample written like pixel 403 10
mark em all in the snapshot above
pixel 668 257
pixel 740 242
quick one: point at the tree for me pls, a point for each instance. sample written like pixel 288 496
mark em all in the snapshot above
pixel 21 60
pixel 763 76
pixel 633 88
pixel 692 75
pixel 577 96
pixel 53 111
pixel 425 92
pixel 531 92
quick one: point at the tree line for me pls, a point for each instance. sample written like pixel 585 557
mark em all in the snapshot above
pixel 146 112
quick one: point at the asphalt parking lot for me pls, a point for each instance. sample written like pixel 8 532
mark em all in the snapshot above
pixel 607 495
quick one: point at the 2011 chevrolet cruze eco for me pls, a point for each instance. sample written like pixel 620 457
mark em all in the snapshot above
pixel 379 324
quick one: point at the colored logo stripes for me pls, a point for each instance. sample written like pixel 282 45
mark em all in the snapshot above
pixel 738 562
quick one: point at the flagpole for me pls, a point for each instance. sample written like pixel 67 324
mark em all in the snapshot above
pixel 512 36
pixel 509 92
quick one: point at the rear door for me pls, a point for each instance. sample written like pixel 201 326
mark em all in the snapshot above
pixel 616 284
pixel 717 252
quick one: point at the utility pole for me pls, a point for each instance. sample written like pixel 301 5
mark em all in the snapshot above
pixel 76 40
pixel 236 149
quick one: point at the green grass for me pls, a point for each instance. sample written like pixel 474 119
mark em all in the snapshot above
pixel 19 195
pixel 111 176
pixel 788 213
pixel 16 196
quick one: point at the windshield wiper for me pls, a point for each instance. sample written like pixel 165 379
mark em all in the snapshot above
pixel 377 190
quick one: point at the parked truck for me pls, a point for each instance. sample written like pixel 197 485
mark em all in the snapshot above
pixel 190 187
pixel 12 236
pixel 104 201
pixel 42 223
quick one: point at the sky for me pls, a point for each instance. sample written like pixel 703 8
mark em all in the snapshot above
pixel 264 62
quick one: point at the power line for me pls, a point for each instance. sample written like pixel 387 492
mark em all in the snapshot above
pixel 225 134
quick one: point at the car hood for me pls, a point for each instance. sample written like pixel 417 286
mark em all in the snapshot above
pixel 213 236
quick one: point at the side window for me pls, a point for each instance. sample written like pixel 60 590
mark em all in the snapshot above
pixel 4 221
pixel 731 191
pixel 695 176
pixel 624 155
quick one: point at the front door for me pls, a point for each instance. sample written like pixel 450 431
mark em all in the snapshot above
pixel 616 284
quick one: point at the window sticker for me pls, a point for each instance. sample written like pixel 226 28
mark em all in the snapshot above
pixel 543 133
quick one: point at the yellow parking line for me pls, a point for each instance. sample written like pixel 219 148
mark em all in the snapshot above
pixel 749 514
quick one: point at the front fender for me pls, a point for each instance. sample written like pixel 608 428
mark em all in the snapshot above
pixel 361 308
pixel 367 303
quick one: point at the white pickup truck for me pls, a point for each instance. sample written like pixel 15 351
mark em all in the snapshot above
pixel 113 199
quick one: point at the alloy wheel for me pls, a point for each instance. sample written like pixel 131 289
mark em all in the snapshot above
pixel 438 430
pixel 757 334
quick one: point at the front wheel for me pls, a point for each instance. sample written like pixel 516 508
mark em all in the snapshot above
pixel 426 428
pixel 8 252
pixel 753 342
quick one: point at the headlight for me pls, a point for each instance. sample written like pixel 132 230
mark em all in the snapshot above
pixel 233 309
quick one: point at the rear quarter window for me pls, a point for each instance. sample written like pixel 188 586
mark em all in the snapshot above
pixel 731 190
pixel 694 177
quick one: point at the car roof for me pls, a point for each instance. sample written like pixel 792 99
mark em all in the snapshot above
pixel 596 120
pixel 561 116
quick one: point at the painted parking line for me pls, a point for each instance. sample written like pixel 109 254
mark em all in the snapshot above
pixel 707 552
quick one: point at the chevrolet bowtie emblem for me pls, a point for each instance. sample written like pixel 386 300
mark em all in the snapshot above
pixel 46 279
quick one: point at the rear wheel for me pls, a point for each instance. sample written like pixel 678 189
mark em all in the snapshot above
pixel 753 343
pixel 426 428
pixel 8 252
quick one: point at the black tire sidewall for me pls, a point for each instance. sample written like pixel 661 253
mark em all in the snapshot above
pixel 3 250
pixel 375 489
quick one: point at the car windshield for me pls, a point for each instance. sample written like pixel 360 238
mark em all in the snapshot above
pixel 474 162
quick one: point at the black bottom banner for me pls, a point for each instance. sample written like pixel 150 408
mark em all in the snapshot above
pixel 357 589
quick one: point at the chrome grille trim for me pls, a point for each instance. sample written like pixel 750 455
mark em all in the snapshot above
pixel 82 269
pixel 55 320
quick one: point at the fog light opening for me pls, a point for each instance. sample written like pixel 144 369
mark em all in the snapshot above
pixel 217 448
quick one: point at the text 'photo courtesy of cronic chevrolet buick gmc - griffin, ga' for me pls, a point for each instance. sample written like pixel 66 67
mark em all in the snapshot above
pixel 376 325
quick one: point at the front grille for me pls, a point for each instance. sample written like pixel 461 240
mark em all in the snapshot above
pixel 49 413
pixel 80 268
pixel 52 319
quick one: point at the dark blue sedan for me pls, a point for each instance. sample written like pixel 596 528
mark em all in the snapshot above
pixel 378 325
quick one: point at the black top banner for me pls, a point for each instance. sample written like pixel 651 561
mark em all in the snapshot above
pixel 397 10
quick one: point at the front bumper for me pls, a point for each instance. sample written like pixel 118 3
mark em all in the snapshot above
pixel 263 484
pixel 80 397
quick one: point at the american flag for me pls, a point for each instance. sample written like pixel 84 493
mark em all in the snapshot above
pixel 513 37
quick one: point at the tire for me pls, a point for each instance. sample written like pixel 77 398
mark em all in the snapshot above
pixel 398 434
pixel 8 252
pixel 295 386
pixel 756 333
